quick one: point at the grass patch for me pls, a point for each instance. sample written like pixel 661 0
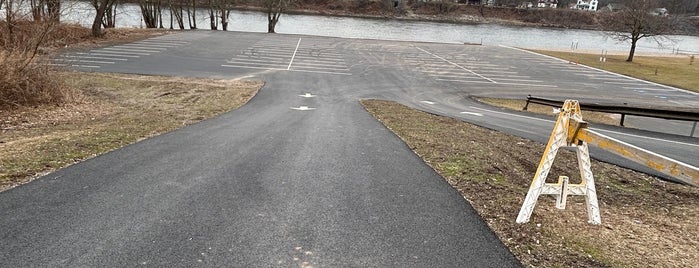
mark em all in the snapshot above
pixel 672 71
pixel 646 222
pixel 111 111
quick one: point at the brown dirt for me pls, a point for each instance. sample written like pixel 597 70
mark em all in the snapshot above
pixel 646 222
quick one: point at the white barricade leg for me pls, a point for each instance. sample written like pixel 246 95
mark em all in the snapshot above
pixel 588 182
pixel 556 141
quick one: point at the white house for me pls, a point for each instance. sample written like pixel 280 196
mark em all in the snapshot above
pixel 589 5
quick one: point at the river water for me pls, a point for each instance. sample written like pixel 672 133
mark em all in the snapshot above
pixel 488 34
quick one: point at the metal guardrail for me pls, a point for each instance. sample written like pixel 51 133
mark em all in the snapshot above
pixel 623 110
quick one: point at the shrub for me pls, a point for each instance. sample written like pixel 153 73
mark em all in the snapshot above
pixel 25 78
pixel 24 82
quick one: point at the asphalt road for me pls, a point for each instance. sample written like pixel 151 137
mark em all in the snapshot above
pixel 297 179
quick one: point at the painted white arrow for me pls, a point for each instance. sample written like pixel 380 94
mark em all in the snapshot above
pixel 307 95
pixel 476 114
pixel 428 102
pixel 303 108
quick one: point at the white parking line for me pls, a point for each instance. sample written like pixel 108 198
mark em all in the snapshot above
pixel 651 89
pixel 625 83
pixel 316 58
pixel 92 57
pixel 499 83
pixel 603 71
pixel 140 47
pixel 509 76
pixel 459 66
pixel 311 62
pixel 258 61
pixel 164 41
pixel 106 54
pixel 251 67
pixel 522 80
pixel 319 72
pixel 130 50
pixel 89 61
pixel 319 67
pixel 163 46
pixel 293 56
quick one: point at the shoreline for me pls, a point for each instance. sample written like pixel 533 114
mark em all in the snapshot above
pixel 452 18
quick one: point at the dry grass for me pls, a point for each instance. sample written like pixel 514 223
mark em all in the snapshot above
pixel 113 111
pixel 646 222
pixel 673 71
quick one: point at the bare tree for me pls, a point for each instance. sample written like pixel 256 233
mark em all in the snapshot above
pixel 213 14
pixel 101 8
pixel 274 9
pixel 109 16
pixel 150 11
pixel 177 11
pixel 637 20
pixel 9 22
pixel 192 15
pixel 225 7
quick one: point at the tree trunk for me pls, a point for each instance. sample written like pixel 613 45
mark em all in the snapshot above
pixel 160 14
pixel 9 21
pixel 272 22
pixel 54 10
pixel 633 49
pixel 99 14
pixel 194 13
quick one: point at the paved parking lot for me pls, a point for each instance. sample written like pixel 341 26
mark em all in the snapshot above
pixel 480 68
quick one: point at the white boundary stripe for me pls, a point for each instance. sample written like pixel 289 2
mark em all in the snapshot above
pixel 608 131
pixel 457 65
pixel 294 56
pixel 608 72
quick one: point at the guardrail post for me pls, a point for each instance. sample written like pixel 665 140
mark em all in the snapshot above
pixel 694 128
pixel 621 123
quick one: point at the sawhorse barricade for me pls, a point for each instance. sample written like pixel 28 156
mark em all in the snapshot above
pixel 571 131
